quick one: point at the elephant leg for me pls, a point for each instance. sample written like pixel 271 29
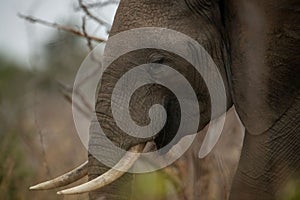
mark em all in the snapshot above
pixel 265 43
pixel 269 160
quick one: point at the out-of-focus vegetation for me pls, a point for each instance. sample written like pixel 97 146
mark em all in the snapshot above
pixel 37 136
pixel 15 168
pixel 291 191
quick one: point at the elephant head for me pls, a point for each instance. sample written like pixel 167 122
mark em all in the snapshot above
pixel 257 61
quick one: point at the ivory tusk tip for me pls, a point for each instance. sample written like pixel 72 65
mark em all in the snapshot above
pixel 67 192
pixel 64 179
pixel 59 193
pixel 111 175
pixel 32 188
pixel 36 187
pixel 41 186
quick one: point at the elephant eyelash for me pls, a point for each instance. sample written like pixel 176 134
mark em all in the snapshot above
pixel 159 60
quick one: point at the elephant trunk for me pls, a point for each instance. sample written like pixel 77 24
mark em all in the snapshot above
pixel 117 190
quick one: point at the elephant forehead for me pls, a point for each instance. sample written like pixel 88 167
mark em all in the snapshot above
pixel 188 16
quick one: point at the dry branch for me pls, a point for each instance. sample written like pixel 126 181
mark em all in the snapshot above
pixel 67 94
pixel 89 14
pixel 60 27
pixel 89 42
pixel 101 4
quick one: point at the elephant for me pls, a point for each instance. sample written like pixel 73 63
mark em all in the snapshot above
pixel 255 46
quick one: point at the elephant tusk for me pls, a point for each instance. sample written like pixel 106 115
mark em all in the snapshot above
pixel 110 176
pixel 63 180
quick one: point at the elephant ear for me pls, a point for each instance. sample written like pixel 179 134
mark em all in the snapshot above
pixel 265 45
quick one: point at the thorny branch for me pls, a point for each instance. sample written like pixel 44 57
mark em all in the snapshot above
pixel 60 27
pixel 89 14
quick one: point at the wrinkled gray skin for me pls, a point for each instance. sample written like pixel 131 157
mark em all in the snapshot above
pixel 256 46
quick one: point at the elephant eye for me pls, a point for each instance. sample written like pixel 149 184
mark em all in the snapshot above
pixel 159 60
pixel 156 70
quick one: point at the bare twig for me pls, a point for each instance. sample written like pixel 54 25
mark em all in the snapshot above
pixel 97 19
pixel 41 138
pixel 84 100
pixel 67 94
pixel 101 4
pixel 78 93
pixel 89 42
pixel 90 74
pixel 68 98
pixel 60 27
